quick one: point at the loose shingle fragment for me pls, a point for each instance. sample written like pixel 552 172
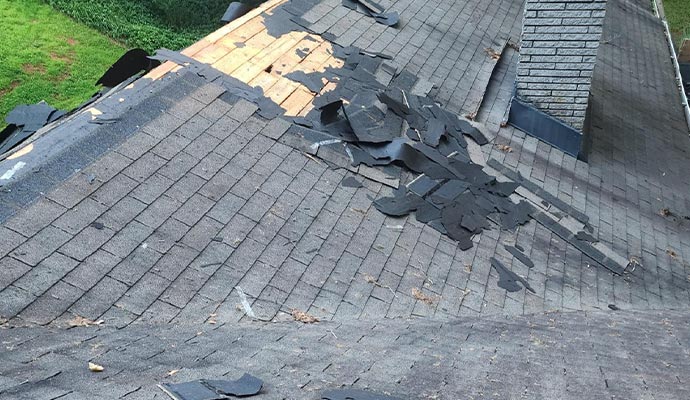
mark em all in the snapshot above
pixel 508 279
pixel 203 389
pixel 518 253
pixel 354 394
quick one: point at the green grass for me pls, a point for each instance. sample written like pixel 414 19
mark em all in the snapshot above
pixel 678 16
pixel 47 56
pixel 148 24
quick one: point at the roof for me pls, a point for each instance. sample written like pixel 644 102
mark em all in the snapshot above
pixel 190 211
pixel 557 355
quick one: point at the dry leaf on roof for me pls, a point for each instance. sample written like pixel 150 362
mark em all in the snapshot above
pixel 419 295
pixel 492 53
pixel 671 253
pixel 95 367
pixel 504 148
pixel 81 321
pixel 303 317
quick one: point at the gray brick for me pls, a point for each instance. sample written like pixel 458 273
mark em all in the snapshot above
pixel 181 291
pixel 257 206
pixel 213 112
pixel 223 128
pixel 208 93
pixel 209 165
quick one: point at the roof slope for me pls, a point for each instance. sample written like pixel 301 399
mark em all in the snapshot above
pixel 208 212
pixel 558 355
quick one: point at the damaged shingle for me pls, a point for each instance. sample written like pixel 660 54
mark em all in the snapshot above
pixel 508 279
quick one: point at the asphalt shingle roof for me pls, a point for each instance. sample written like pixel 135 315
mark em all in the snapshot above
pixel 206 210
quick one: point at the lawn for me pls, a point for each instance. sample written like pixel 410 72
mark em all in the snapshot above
pixel 47 56
pixel 678 16
pixel 148 24
pixel 55 50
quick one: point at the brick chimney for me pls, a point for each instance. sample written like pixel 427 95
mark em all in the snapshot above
pixel 559 46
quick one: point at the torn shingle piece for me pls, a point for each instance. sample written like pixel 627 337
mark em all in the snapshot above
pixel 311 81
pixel 204 389
pixel 396 100
pixel 508 279
pixel 235 10
pixel 427 212
pixel 194 390
pixel 518 253
pixel 422 185
pixel 448 191
pixel 246 385
pixel 519 214
pixel 130 64
pixel 434 130
pixel 582 235
pixel 351 182
pixel 400 204
pixel 354 394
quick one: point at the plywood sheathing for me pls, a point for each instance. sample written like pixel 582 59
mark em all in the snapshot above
pixel 244 50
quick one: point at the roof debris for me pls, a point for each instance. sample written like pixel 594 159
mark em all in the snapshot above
pixel 79 321
pixel 204 389
pixel 23 121
pixel 354 394
pixel 95 367
pixel 504 148
pixel 303 317
pixel 424 298
pixel 508 279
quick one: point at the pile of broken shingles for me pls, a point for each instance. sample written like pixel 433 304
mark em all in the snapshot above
pixel 374 115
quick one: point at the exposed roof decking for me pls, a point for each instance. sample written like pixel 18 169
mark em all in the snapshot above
pixel 245 50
